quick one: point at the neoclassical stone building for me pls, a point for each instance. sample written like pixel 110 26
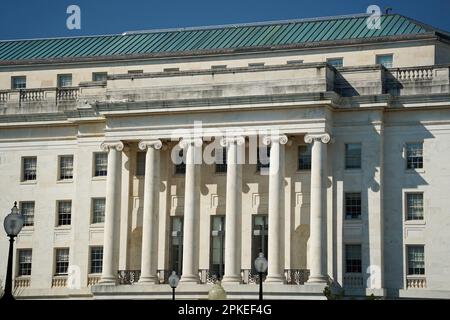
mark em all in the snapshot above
pixel 329 140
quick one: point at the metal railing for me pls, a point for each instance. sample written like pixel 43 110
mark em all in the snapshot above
pixel 128 276
pixel 296 276
pixel 353 281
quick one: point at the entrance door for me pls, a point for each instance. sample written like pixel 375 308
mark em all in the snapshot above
pixel 217 253
pixel 259 237
pixel 176 245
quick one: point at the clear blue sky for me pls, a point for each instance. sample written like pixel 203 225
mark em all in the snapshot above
pixel 47 18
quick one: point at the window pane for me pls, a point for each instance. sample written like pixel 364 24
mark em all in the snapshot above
pixel 414 205
pixel 99 76
pixel 27 211
pixel 98 210
pixel 414 155
pixel 353 155
pixel 181 168
pixel 217 246
pixel 385 60
pixel 64 80
pixel 336 62
pixel 62 261
pixel 64 212
pixel 96 259
pixel 263 158
pixel 352 205
pixel 66 167
pixel 140 164
pixel 416 260
pixel 353 258
pixel 18 82
pixel 25 256
pixel 221 160
pixel 101 164
pixel 304 157
pixel 29 168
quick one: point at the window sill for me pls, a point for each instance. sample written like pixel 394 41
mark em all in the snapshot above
pixel 303 171
pixel 353 221
pixel 352 171
pixel 27 229
pixel 99 178
pixel 63 228
pixel 412 171
pixel 415 222
pixel 28 182
pixel 99 225
pixel 65 181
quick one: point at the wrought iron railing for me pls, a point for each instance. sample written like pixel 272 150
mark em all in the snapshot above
pixel 250 277
pixel 296 276
pixel 353 281
pixel 206 276
pixel 128 276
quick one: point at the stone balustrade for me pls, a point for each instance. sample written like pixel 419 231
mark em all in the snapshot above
pixel 22 282
pixel 416 282
pixel 93 279
pixel 59 282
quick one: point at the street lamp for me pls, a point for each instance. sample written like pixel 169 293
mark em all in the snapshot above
pixel 261 267
pixel 13 223
pixel 173 282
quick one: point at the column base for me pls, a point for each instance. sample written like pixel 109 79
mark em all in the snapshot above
pixel 112 281
pixel 318 279
pixel 148 280
pixel 277 279
pixel 232 279
pixel 191 278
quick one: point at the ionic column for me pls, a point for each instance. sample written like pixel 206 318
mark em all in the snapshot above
pixel 191 210
pixel 275 271
pixel 112 208
pixel 233 214
pixel 149 267
pixel 317 255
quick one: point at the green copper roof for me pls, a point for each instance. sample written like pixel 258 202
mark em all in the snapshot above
pixel 211 39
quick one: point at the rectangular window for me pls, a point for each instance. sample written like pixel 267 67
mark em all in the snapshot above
pixel 27 211
pixel 260 227
pixel 19 82
pixel 99 76
pixel 171 69
pixel 135 71
pixel 294 62
pixel 352 205
pixel 140 163
pixel 65 167
pixel 29 168
pixel 181 167
pixel 414 206
pixel 385 60
pixel 96 260
pixel 219 67
pixel 414 155
pixel 221 160
pixel 256 64
pixel 416 260
pixel 336 62
pixel 176 245
pixel 25 256
pixel 100 164
pixel 217 246
pixel 262 158
pixel 61 261
pixel 64 212
pixel 353 156
pixel 64 80
pixel 98 210
pixel 304 157
pixel 353 258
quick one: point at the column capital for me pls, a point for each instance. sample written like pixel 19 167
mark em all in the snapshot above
pixel 320 137
pixel 279 138
pixel 227 140
pixel 145 144
pixel 184 142
pixel 106 146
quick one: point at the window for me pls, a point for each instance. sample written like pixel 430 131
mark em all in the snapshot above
pixel 100 164
pixel 414 155
pixel 96 259
pixel 64 80
pixel 294 62
pixel 98 210
pixel 29 168
pixel 217 246
pixel 353 258
pixel 260 238
pixel 18 82
pixel 304 157
pixel 221 160
pixel 135 71
pixel 219 67
pixel 61 261
pixel 352 205
pixel 180 168
pixel 64 212
pixel 416 260
pixel 65 167
pixel 336 62
pixel 140 163
pixel 171 69
pixel 353 156
pixel 99 76
pixel 256 64
pixel 25 256
pixel 262 158
pixel 176 245
pixel 414 206
pixel 27 212
pixel 385 60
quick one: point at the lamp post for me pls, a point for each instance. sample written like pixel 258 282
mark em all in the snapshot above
pixel 261 267
pixel 13 223
pixel 173 282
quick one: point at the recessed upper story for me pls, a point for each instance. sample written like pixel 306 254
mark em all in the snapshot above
pixel 340 54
